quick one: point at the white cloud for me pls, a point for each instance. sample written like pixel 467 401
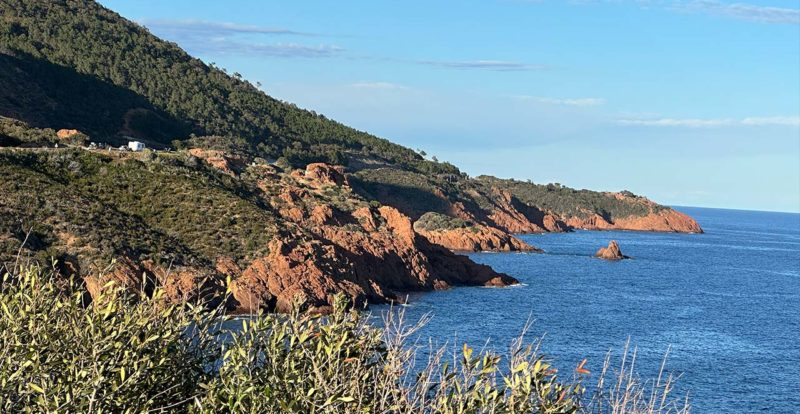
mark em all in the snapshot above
pixel 712 122
pixel 564 101
pixel 495 65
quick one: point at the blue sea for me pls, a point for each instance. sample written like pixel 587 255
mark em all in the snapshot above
pixel 726 302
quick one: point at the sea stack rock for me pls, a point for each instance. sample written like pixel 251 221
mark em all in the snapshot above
pixel 611 252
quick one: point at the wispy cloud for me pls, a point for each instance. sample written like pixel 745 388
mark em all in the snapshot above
pixel 742 11
pixel 563 101
pixel 286 50
pixel 223 38
pixel 713 122
pixel 734 10
pixel 494 65
pixel 215 29
pixel 379 85
pixel 773 120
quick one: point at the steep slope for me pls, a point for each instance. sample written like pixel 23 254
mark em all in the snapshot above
pixel 76 64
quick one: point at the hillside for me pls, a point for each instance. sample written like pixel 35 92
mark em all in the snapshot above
pixel 271 235
pixel 215 213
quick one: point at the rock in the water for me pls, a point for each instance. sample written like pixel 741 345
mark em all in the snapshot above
pixel 611 252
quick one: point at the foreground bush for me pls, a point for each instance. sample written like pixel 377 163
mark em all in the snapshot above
pixel 126 353
pixel 120 355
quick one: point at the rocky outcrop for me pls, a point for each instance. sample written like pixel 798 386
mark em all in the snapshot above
pixel 72 137
pixel 225 162
pixel 371 255
pixel 179 284
pixel 611 252
pixel 506 216
pixel 512 216
pixel 666 220
pixel 461 233
pixel 320 174
pixel 477 238
pixel 66 133
pixel 371 262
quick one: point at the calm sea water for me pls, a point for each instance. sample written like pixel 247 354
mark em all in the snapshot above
pixel 727 302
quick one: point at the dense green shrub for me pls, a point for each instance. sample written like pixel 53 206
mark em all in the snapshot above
pixel 120 355
pixel 569 202
pixel 432 221
pixel 16 133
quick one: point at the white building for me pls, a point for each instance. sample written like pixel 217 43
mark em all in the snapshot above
pixel 136 146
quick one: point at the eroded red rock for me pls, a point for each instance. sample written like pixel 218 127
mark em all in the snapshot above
pixel 66 133
pixel 477 238
pixel 612 252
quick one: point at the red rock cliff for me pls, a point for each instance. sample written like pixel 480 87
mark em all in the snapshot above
pixel 369 254
pixel 477 238
pixel 659 220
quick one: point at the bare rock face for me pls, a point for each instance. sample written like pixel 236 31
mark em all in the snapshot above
pixel 611 252
pixel 66 133
pixel 372 259
pixel 508 217
pixel 124 273
pixel 464 234
pixel 553 224
pixel 477 238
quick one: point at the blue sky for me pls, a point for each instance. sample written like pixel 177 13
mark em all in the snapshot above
pixel 690 102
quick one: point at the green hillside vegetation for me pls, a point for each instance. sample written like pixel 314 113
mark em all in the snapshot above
pixel 97 72
pixel 15 133
pixel 566 202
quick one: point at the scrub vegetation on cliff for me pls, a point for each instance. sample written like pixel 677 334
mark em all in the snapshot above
pixel 61 352
pixel 202 221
